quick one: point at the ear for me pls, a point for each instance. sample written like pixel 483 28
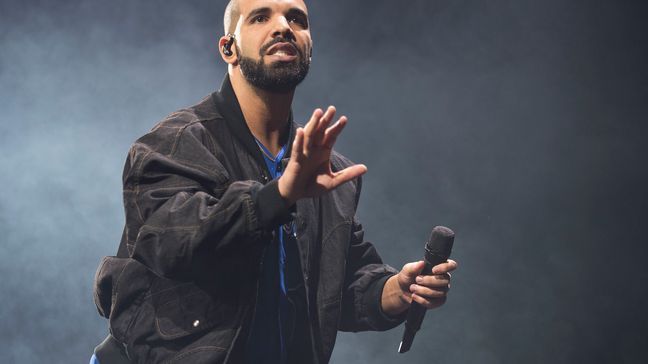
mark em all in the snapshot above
pixel 229 59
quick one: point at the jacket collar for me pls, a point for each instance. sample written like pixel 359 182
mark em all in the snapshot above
pixel 229 107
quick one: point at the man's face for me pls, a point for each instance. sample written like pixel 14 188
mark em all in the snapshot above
pixel 273 43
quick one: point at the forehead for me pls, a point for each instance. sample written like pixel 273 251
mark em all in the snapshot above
pixel 246 6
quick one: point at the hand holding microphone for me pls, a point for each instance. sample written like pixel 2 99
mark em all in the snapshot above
pixel 427 282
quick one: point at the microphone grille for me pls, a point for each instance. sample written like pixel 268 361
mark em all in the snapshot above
pixel 441 240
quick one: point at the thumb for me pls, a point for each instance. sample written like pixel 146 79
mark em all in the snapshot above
pixel 348 174
pixel 411 270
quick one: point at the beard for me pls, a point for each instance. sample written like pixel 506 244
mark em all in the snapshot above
pixel 278 77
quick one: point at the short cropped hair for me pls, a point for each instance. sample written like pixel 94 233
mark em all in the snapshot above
pixel 230 18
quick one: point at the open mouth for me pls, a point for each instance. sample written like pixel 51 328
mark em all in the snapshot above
pixel 282 49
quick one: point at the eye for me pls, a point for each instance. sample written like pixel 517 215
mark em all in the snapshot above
pixel 298 20
pixel 259 19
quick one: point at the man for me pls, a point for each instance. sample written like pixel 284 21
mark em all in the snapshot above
pixel 233 251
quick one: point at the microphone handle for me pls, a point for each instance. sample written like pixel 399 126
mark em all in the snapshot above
pixel 416 312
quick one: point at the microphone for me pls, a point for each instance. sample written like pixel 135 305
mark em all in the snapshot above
pixel 437 251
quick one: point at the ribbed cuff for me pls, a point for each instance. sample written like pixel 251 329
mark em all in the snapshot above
pixel 273 210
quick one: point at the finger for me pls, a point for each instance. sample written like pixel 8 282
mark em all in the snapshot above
pixel 297 152
pixel 346 175
pixel 324 122
pixel 427 292
pixel 309 129
pixel 313 121
pixel 436 280
pixel 446 267
pixel 331 134
pixel 429 303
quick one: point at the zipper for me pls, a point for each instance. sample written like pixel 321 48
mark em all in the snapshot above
pixel 305 275
pixel 234 339
pixel 258 283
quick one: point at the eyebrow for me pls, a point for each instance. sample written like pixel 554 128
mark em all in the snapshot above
pixel 267 10
pixel 258 11
pixel 297 11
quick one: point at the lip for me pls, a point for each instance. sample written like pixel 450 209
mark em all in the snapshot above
pixel 286 47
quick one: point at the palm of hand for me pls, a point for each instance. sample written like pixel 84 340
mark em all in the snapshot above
pixel 309 173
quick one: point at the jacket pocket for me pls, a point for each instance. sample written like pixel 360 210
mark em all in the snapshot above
pixel 120 283
pixel 186 310
pixel 159 319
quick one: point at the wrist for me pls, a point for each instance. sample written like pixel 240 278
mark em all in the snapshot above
pixel 395 299
pixel 284 191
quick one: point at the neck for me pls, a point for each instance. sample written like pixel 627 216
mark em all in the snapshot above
pixel 265 113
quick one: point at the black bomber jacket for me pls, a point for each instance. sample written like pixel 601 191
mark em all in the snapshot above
pixel 200 209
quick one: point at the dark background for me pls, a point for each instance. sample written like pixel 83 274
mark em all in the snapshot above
pixel 520 124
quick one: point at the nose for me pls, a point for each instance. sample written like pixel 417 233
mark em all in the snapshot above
pixel 282 28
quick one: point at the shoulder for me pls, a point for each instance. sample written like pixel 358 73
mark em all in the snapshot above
pixel 186 125
pixel 179 144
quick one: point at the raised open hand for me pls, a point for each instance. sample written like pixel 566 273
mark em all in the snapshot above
pixel 309 173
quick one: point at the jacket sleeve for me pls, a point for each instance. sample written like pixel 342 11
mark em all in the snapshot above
pixel 366 275
pixel 182 210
